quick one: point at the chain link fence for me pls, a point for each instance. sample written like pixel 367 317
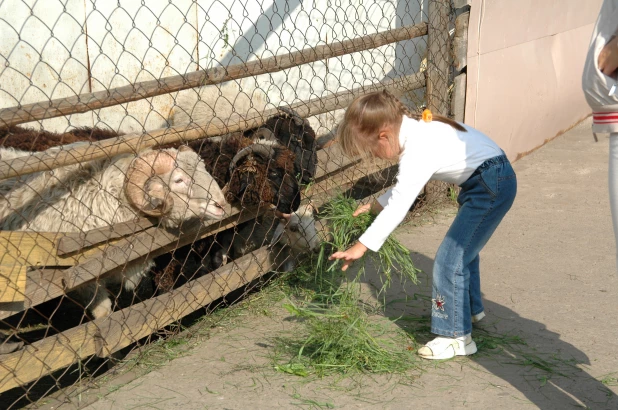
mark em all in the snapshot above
pixel 113 229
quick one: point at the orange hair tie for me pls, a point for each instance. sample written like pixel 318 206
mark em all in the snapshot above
pixel 427 116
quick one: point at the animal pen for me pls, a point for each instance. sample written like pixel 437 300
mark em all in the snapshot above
pixel 86 83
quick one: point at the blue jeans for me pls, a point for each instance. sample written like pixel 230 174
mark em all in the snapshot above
pixel 484 200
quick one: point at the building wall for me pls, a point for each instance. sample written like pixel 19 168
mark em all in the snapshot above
pixel 525 61
pixel 51 50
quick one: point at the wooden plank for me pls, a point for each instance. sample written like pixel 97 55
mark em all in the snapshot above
pixel 438 56
pixel 75 242
pixel 12 283
pixel 132 143
pixel 107 98
pixel 41 285
pixel 37 249
pixel 332 160
pixel 149 244
pixel 458 99
pixel 120 329
pixel 21 250
pixel 460 41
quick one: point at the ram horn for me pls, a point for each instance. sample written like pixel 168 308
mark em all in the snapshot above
pixel 141 172
pixel 263 134
pixel 265 149
pixel 298 120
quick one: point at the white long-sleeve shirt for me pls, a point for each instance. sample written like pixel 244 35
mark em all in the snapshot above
pixel 432 150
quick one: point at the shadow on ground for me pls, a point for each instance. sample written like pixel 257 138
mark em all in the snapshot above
pixel 522 352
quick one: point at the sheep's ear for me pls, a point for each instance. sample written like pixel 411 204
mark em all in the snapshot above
pixel 281 215
pixel 157 200
pixel 298 120
pixel 278 233
pixel 311 207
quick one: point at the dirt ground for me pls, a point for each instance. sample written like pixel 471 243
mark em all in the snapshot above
pixel 548 276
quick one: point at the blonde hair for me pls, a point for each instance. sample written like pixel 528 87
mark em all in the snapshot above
pixel 370 114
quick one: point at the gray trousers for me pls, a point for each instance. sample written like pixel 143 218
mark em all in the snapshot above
pixel 613 184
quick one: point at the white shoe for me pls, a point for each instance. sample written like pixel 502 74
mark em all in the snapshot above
pixel 442 348
pixel 477 318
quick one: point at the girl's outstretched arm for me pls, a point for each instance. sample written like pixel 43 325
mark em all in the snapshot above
pixel 353 253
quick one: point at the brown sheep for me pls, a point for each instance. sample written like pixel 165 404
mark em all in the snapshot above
pixel 32 140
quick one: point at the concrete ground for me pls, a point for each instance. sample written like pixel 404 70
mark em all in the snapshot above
pixel 548 276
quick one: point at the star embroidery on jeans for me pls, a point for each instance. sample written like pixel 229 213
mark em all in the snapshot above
pixel 438 302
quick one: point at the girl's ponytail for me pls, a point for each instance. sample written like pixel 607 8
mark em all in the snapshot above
pixel 406 111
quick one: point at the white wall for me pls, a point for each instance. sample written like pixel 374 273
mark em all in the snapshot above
pixel 525 61
pixel 98 45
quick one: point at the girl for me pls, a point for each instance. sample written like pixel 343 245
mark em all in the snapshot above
pixel 379 125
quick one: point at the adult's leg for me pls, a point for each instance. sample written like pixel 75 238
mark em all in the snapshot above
pixel 613 184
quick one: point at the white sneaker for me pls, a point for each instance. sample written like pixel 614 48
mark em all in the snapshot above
pixel 442 348
pixel 477 318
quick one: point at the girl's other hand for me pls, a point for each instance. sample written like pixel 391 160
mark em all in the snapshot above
pixel 355 252
pixel 608 59
pixel 373 207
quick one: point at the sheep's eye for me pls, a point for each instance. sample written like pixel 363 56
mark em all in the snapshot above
pixel 179 181
pixel 294 228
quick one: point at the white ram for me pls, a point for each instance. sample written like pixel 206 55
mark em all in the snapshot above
pixel 170 184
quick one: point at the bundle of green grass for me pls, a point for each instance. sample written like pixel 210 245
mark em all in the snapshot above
pixel 340 333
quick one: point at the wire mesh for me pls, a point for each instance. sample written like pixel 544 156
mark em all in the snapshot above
pixel 107 243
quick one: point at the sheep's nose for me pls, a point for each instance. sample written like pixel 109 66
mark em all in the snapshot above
pixel 316 249
pixel 218 205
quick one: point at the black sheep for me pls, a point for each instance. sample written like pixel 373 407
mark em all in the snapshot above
pixel 295 133
pixel 186 263
pixel 252 173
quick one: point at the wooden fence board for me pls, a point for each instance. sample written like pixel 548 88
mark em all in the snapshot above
pixel 126 326
pixel 12 283
pixel 458 99
pixel 133 143
pixel 460 41
pixel 461 3
pixel 76 242
pixel 438 56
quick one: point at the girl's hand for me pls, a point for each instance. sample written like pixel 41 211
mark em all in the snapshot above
pixel 362 209
pixel 355 252
pixel 608 59
pixel 373 207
